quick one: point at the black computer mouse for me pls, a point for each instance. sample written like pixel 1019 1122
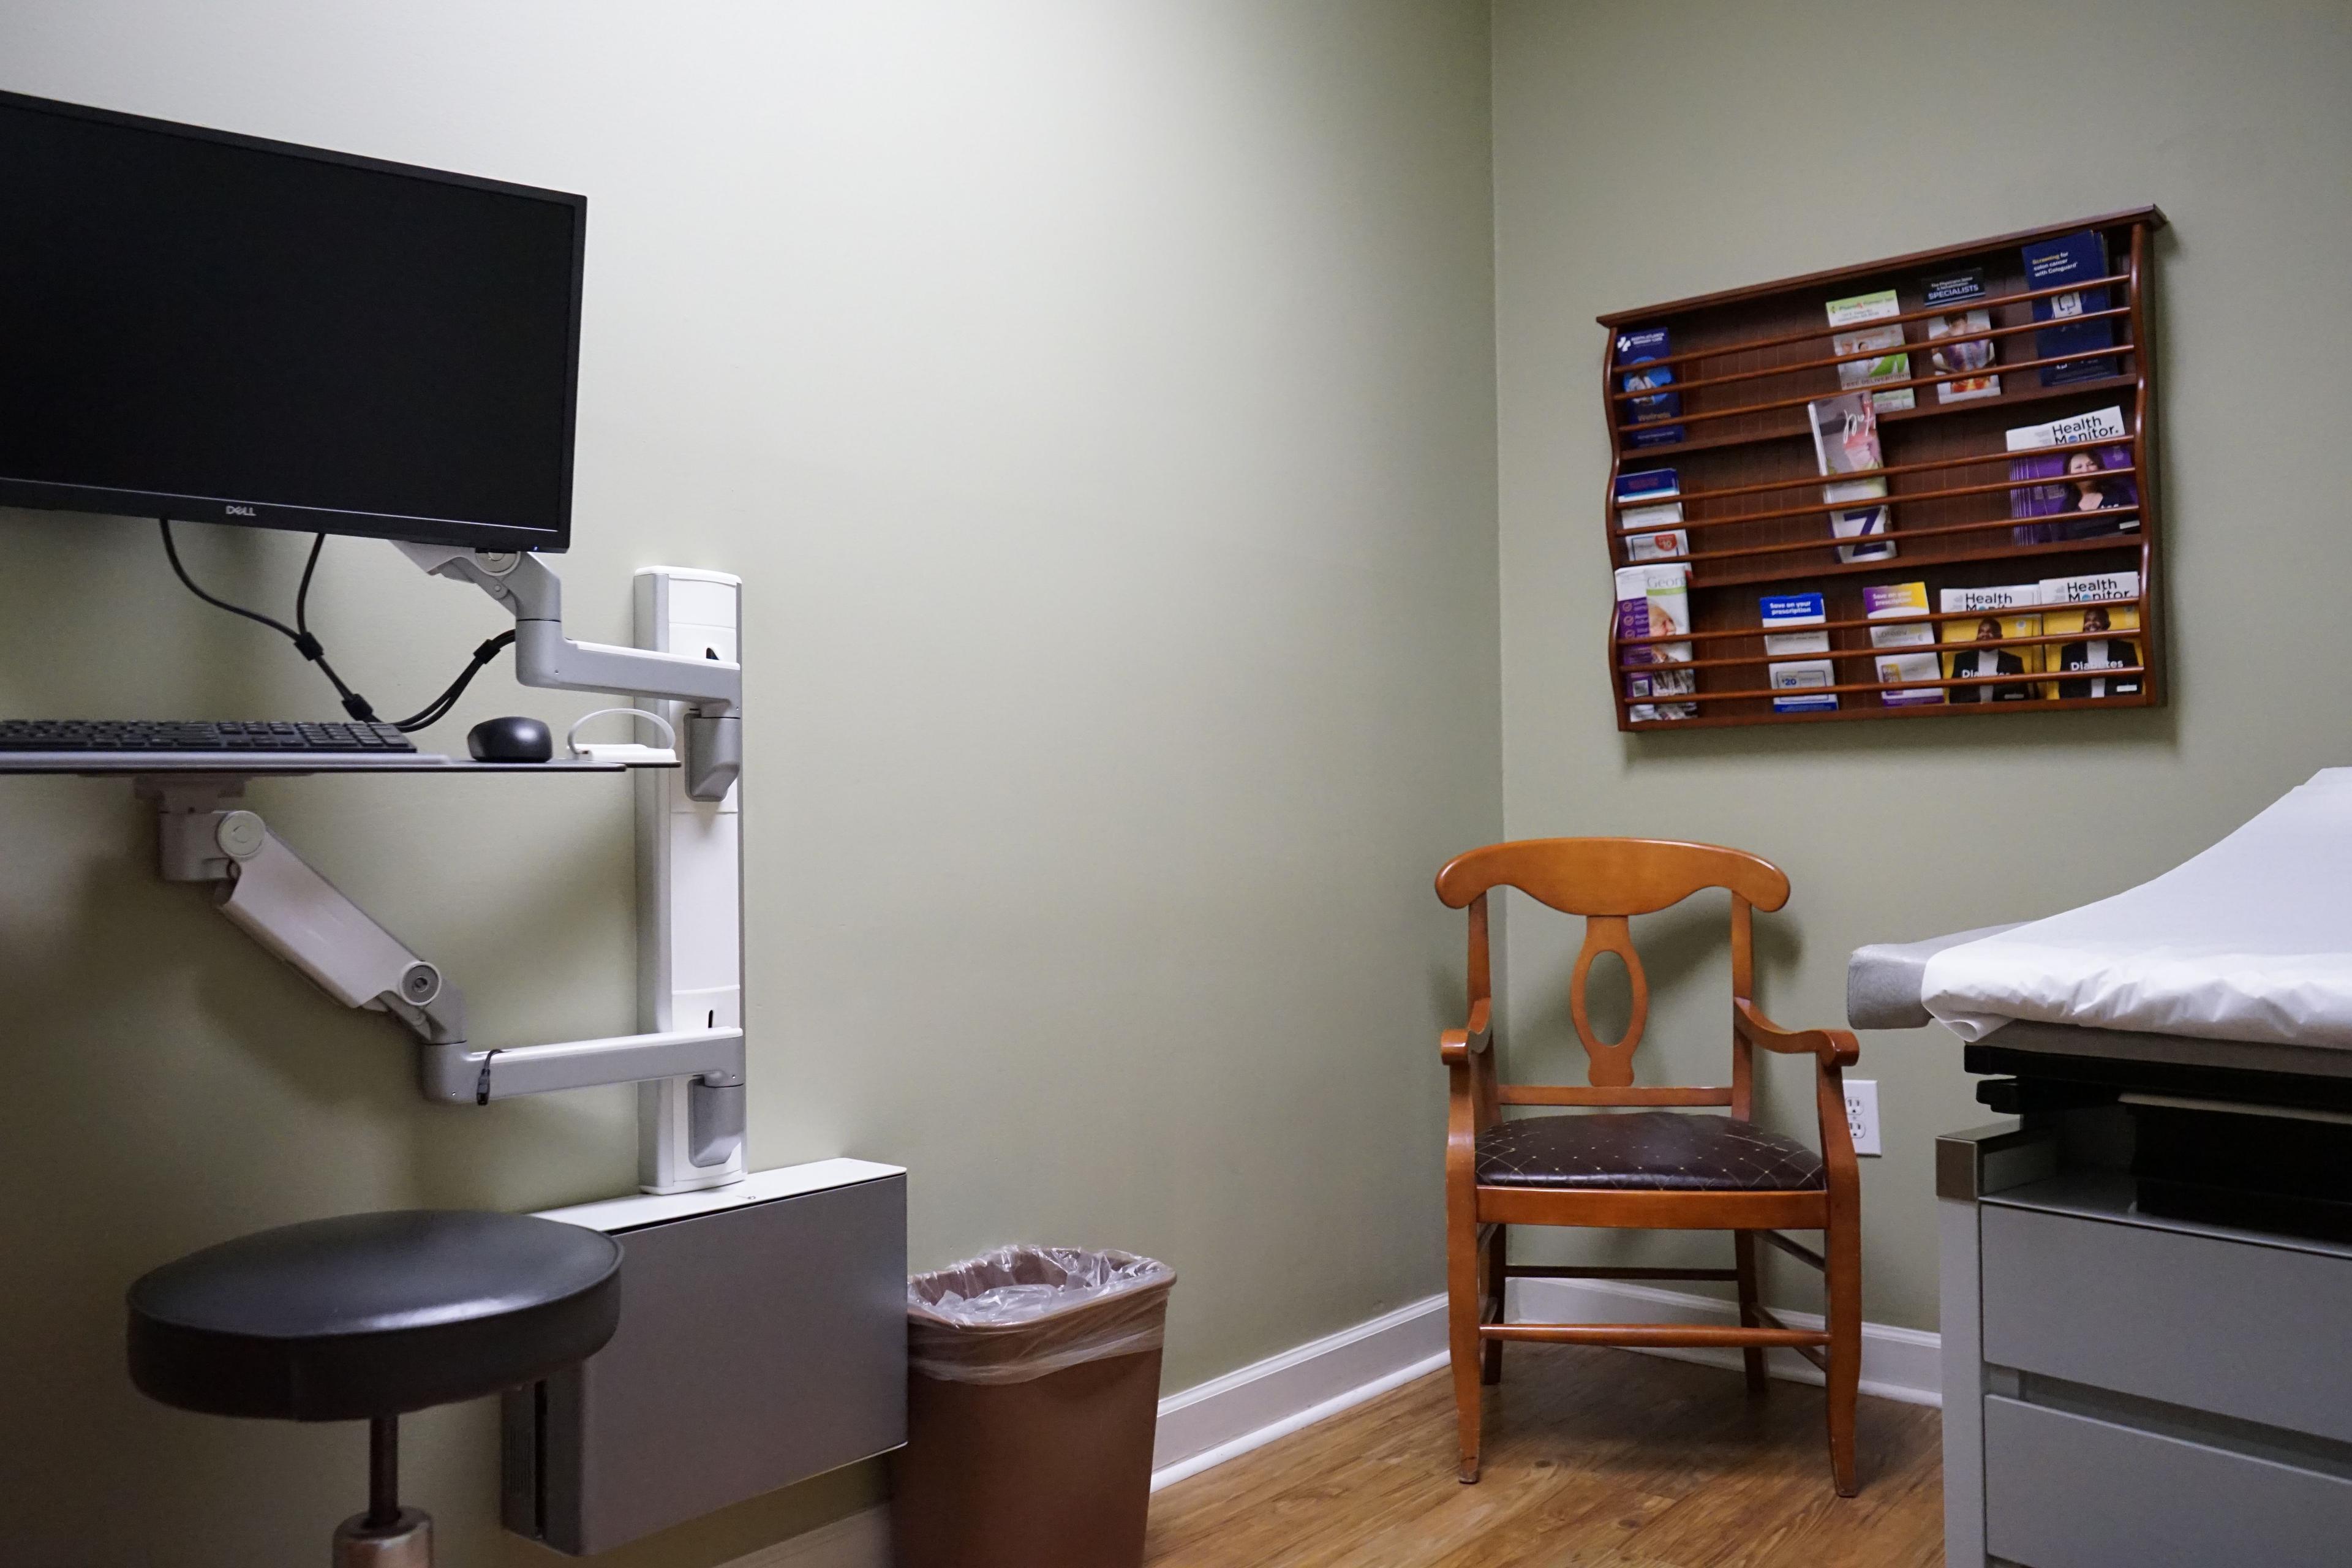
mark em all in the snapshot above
pixel 510 740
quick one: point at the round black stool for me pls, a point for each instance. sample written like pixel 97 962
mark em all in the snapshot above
pixel 366 1316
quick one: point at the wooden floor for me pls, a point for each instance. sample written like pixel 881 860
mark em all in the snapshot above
pixel 1595 1458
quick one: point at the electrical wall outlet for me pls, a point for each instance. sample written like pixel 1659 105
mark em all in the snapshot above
pixel 1862 1114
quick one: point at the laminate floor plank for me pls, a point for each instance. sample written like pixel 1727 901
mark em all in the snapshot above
pixel 1751 1505
pixel 1333 1493
pixel 1358 1484
pixel 1595 1458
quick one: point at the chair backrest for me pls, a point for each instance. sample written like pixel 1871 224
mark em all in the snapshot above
pixel 1608 881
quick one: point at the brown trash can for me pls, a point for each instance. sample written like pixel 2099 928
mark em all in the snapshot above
pixel 1033 1393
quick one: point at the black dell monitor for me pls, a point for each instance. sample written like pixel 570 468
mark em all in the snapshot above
pixel 211 327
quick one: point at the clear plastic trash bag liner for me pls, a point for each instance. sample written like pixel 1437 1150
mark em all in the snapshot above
pixel 2250 939
pixel 1021 1312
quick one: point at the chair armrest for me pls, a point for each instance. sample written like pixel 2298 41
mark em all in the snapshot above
pixel 1461 1045
pixel 1834 1047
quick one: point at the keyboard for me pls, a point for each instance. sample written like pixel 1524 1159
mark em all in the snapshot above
pixel 335 738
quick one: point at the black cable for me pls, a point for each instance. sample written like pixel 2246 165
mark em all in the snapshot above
pixel 171 550
pixel 299 633
pixel 438 708
pixel 308 647
pixel 302 593
pixel 357 706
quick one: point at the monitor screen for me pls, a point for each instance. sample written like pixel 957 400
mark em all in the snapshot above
pixel 210 327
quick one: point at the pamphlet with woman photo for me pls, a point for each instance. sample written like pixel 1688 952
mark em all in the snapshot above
pixel 2097 495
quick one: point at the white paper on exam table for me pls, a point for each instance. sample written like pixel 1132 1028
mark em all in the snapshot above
pixel 2250 940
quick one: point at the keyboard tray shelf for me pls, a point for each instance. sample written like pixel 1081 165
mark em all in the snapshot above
pixel 279 764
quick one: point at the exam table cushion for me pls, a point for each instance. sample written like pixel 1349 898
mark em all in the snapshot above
pixel 1644 1150
pixel 2250 940
pixel 373 1314
pixel 1883 979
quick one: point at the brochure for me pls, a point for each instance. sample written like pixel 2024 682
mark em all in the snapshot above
pixel 1852 374
pixel 1784 611
pixel 2008 611
pixel 1845 441
pixel 1637 497
pixel 1952 352
pixel 2090 484
pixel 1891 602
pixel 1654 601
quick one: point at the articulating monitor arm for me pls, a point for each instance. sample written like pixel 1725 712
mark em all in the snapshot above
pixel 286 906
pixel 544 657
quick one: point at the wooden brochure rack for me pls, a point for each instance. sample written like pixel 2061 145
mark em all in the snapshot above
pixel 1746 363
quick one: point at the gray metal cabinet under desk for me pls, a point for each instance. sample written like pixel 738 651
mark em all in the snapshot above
pixel 2122 1391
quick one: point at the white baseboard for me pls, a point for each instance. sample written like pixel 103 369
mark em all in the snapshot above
pixel 1228 1416
pixel 860 1541
pixel 1215 1421
pixel 1896 1363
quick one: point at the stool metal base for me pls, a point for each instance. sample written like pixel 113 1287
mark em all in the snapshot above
pixel 407 1544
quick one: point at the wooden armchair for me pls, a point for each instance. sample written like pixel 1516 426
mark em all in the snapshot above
pixel 1658 1168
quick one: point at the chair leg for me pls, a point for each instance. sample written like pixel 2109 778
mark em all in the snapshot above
pixel 1844 1257
pixel 1461 1319
pixel 1743 1244
pixel 1490 1369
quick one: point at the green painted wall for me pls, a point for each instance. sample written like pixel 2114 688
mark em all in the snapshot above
pixel 1104 405
pixel 1648 152
pixel 1099 404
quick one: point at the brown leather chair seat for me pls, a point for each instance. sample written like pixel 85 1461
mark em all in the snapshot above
pixel 1644 1150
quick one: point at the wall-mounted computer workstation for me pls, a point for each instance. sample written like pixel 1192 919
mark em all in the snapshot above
pixel 207 329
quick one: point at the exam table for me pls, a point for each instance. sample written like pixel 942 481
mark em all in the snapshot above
pixel 2147 1273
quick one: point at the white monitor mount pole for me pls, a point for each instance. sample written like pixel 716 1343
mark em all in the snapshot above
pixel 691 1078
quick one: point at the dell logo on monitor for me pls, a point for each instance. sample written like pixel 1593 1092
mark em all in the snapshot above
pixel 240 512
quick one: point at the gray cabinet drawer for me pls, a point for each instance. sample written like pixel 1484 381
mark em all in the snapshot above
pixel 2069 1491
pixel 2262 1333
